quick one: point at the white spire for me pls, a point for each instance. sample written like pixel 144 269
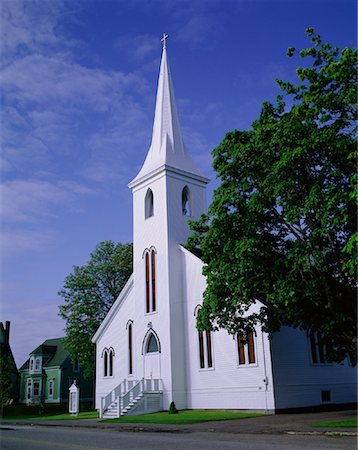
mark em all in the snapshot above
pixel 167 147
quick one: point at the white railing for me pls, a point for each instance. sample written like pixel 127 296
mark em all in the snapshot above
pixel 127 391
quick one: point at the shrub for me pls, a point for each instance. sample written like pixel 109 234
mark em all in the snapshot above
pixel 172 409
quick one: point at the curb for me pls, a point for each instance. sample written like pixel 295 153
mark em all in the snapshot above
pixel 154 429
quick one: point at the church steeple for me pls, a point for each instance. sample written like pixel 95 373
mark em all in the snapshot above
pixel 167 147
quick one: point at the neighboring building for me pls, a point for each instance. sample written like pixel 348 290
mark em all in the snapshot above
pixel 149 351
pixel 5 352
pixel 48 373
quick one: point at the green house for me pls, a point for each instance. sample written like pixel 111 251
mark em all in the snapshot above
pixel 48 373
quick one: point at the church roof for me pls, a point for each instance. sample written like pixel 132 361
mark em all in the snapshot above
pixel 167 148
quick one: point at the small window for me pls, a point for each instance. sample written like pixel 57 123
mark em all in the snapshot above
pixel 31 364
pixel 50 388
pixel 76 366
pixel 29 388
pixel 185 202
pixel 36 388
pixel 37 364
pixel 149 204
pixel 325 396
pixel 246 348
pixel 152 344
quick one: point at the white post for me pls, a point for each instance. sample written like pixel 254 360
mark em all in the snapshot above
pixel 74 400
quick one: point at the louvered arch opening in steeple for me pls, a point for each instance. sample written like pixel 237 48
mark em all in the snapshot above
pixel 149 204
pixel 185 202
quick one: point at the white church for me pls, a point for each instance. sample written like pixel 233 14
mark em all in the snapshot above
pixel 148 350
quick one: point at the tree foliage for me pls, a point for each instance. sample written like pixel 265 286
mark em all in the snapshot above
pixel 7 377
pixel 88 293
pixel 281 226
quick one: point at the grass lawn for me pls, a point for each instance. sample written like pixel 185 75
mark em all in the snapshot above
pixel 184 417
pixel 63 416
pixel 344 423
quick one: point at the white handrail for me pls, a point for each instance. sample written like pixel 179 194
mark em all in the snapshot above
pixel 127 391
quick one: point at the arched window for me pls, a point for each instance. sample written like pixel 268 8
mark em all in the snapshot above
pixel 130 349
pixel 108 355
pixel 153 280
pixel 205 346
pixel 110 362
pixel 185 202
pixel 150 280
pixel 149 204
pixel 152 344
pixel 37 364
pixel 147 281
pixel 318 347
pixel 246 348
pixel 105 363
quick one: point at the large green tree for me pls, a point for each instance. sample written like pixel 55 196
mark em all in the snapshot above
pixel 88 293
pixel 281 226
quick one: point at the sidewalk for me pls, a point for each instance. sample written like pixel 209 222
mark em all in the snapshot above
pixel 276 424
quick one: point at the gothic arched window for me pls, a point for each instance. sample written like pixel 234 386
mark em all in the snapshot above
pixel 149 204
pixel 152 344
pixel 150 280
pixel 185 202
pixel 110 362
pixel 108 355
pixel 205 346
pixel 105 363
pixel 130 349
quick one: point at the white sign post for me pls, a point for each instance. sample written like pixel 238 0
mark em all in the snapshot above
pixel 74 401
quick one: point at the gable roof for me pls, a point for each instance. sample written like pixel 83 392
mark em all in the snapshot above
pixel 112 312
pixel 53 351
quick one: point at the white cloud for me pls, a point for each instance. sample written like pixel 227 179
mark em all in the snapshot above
pixel 137 47
pixel 24 200
pixel 30 26
pixel 16 240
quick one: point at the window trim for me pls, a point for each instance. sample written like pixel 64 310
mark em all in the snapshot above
pixel 51 385
pixel 130 348
pixel 317 349
pixel 205 346
pixel 150 268
pixel 37 364
pixel 186 202
pixel 243 351
pixel 145 342
pixel 108 355
pixel 149 204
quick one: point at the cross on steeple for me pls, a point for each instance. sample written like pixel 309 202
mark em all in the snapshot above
pixel 164 40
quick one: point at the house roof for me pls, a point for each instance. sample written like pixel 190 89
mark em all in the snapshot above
pixel 53 351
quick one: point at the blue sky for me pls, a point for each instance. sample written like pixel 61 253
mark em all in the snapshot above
pixel 79 83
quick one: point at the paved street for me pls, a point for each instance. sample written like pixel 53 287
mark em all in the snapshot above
pixel 58 438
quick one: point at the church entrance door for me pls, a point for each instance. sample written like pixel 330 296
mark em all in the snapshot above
pixel 151 357
pixel 152 365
